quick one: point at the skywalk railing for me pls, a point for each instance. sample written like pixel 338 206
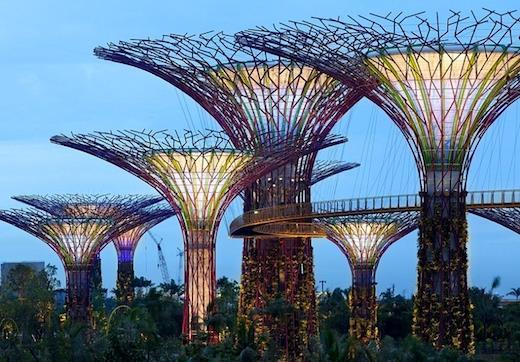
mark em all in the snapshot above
pixel 366 205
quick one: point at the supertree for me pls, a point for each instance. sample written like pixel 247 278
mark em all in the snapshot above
pixel 363 239
pixel 443 83
pixel 76 239
pixel 258 100
pixel 199 174
pixel 95 205
pixel 126 244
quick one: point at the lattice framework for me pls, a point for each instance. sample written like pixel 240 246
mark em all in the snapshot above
pixel 76 239
pixel 363 240
pixel 325 169
pixel 509 218
pixel 259 100
pixel 102 206
pixel 443 83
pixel 199 173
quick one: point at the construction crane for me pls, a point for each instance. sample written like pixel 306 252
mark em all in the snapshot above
pixel 162 262
pixel 180 254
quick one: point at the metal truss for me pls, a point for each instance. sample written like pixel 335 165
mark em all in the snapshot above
pixel 325 169
pixel 102 206
pixel 364 238
pixel 199 173
pixel 442 83
pixel 126 242
pixel 509 218
pixel 259 100
pixel 76 238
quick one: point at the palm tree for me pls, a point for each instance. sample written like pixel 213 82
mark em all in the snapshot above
pixel 495 284
pixel 515 292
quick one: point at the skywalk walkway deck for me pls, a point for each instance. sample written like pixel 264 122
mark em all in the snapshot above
pixel 476 201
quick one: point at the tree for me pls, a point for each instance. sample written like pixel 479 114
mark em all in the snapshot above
pixel 333 311
pixel 224 311
pixel 515 292
pixel 394 315
pixel 27 298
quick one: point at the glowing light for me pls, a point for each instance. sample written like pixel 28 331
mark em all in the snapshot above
pixel 78 240
pixel 444 98
pixel 200 180
pixel 361 242
pixel 277 98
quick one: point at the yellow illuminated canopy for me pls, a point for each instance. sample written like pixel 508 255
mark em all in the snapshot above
pixel 200 181
pixel 77 240
pixel 277 97
pixel 442 99
pixel 364 238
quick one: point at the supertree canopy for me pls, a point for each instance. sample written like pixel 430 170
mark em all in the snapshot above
pixel 443 83
pixel 199 174
pixel 89 205
pixel 259 100
pixel 92 206
pixel 125 244
pixel 77 239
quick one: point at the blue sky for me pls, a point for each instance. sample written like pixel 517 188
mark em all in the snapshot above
pixel 51 83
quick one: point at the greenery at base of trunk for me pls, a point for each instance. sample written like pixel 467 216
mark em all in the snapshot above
pixel 32 327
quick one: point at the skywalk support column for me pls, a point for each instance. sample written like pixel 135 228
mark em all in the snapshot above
pixel 280 268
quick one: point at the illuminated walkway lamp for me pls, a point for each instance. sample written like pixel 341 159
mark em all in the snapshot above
pixel 443 83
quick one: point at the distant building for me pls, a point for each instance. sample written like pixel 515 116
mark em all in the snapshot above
pixel 6 268
pixel 60 297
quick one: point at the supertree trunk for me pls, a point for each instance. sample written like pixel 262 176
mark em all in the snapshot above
pixel 363 305
pixel 78 292
pixel 200 284
pixel 97 278
pixel 442 312
pixel 279 268
pixel 125 277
